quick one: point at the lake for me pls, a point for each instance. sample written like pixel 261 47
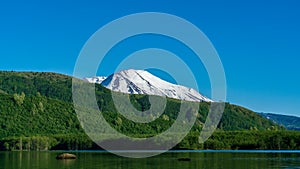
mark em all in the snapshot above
pixel 169 160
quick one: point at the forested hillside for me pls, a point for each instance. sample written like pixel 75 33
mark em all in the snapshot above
pixel 36 109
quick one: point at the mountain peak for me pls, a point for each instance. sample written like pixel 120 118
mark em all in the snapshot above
pixel 142 82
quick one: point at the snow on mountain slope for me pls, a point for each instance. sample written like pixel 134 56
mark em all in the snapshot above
pixel 142 82
pixel 96 79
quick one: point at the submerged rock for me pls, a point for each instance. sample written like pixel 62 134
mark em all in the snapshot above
pixel 66 156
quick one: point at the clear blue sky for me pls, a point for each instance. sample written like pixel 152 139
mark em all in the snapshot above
pixel 258 42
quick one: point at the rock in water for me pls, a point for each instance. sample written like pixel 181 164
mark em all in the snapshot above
pixel 66 156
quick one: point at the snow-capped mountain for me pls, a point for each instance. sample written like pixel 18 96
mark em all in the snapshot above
pixel 96 79
pixel 142 82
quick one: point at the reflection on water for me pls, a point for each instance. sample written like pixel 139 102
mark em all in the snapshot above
pixel 215 160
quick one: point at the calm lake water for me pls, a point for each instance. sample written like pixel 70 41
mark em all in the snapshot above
pixel 200 159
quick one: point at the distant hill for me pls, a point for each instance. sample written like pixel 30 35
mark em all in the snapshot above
pixel 289 122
